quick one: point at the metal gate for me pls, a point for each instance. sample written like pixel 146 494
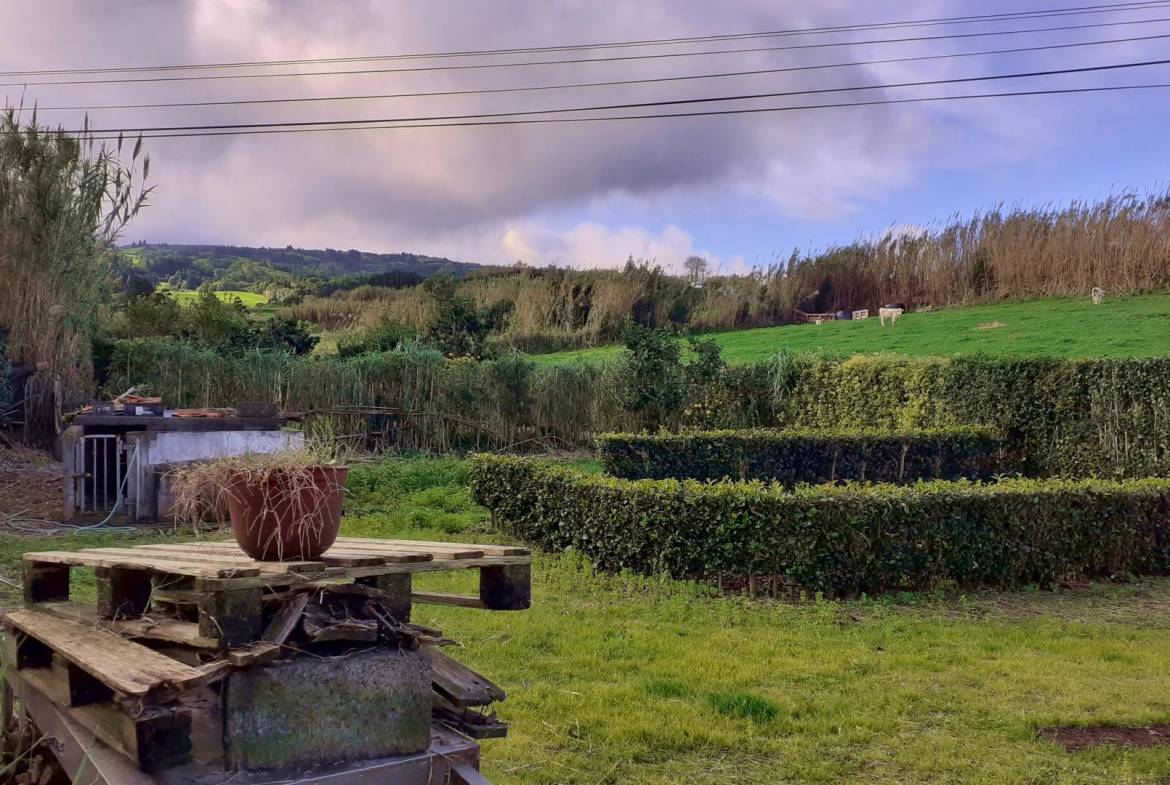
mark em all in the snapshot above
pixel 99 486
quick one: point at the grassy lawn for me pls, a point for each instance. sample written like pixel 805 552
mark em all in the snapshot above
pixel 1068 327
pixel 249 299
pixel 617 679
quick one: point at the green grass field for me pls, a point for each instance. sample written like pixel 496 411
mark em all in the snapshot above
pixel 1120 327
pixel 249 299
pixel 622 679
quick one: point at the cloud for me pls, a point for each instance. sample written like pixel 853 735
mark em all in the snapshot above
pixel 592 245
pixel 482 190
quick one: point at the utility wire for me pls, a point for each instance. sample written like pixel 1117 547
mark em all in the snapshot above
pixel 622 106
pixel 706 113
pixel 934 21
pixel 617 83
pixel 528 63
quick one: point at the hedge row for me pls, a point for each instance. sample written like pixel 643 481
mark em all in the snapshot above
pixel 838 539
pixel 792 457
pixel 1103 417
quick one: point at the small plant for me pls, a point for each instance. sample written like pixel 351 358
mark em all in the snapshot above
pixel 666 688
pixel 282 505
pixel 743 706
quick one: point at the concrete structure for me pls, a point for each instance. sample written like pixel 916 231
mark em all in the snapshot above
pixel 119 462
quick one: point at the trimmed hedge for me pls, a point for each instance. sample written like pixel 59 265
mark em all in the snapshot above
pixel 838 539
pixel 792 457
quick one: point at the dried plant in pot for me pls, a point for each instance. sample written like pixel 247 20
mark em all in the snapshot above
pixel 284 506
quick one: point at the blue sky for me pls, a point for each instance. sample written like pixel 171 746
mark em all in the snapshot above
pixel 743 189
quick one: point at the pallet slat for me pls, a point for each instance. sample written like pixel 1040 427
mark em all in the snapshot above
pixel 84 558
pixel 160 629
pixel 125 667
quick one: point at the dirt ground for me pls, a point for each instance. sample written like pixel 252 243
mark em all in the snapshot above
pixel 30 490
pixel 1074 739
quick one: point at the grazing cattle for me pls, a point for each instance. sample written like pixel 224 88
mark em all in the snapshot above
pixel 889 313
pixel 1098 295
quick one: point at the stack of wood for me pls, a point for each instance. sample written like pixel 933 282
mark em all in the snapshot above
pixel 194 653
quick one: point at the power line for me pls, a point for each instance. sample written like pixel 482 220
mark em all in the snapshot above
pixel 478 66
pixel 615 83
pixel 934 21
pixel 674 115
pixel 622 106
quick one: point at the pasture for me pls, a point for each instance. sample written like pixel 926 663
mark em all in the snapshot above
pixel 1137 326
pixel 249 299
pixel 619 678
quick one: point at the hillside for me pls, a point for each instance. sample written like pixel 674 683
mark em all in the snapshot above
pixel 1064 327
pixel 242 267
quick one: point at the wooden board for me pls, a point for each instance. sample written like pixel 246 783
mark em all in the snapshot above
pixel 435 545
pixel 127 668
pixel 120 560
pixel 159 629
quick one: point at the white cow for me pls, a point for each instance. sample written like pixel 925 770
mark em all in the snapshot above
pixel 889 313
pixel 1098 294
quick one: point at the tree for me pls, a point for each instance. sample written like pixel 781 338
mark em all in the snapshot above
pixel 64 198
pixel 696 267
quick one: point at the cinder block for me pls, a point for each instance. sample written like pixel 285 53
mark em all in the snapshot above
pixel 309 710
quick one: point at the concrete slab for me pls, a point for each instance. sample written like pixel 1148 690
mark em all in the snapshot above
pixel 321 710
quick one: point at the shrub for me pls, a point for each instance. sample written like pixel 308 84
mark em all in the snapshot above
pixel 838 539
pixel 794 457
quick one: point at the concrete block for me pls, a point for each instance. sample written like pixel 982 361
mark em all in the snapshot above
pixel 317 710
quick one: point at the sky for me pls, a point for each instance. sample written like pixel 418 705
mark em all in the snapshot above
pixel 741 190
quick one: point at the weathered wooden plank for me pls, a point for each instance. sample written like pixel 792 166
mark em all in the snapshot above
pixel 286 619
pixel 488 550
pixel 160 629
pixel 154 739
pixel 435 598
pixel 126 667
pixel 343 573
pixel 87 559
pixel 197 554
pixel 459 683
pixel 383 547
pixel 86 757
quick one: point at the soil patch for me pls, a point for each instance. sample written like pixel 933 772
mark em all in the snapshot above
pixel 30 490
pixel 1074 739
pixel 990 325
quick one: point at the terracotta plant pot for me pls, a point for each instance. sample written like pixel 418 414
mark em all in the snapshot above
pixel 265 514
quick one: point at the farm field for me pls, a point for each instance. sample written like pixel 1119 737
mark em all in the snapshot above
pixel 1136 326
pixel 249 299
pixel 615 679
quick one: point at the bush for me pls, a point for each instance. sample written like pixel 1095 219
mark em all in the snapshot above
pixel 838 539
pixel 794 457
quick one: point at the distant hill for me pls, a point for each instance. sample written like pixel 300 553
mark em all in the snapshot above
pixel 243 267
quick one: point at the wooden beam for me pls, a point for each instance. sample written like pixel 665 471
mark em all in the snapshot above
pixel 506 588
pixel 45 582
pixel 435 598
pixel 396 588
pixel 122 593
pixel 234 617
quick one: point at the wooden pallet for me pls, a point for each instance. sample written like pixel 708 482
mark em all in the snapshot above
pixel 211 595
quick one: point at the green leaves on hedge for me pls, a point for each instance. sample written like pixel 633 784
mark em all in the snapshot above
pixel 792 457
pixel 838 539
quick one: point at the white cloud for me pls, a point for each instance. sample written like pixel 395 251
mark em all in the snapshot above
pixel 592 245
